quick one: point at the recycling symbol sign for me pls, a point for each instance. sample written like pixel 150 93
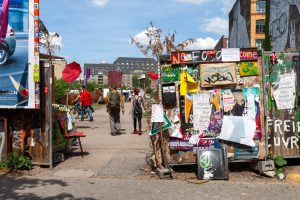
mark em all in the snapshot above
pixel 204 161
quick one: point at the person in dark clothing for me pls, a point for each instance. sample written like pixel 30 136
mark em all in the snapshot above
pixel 115 102
pixel 136 111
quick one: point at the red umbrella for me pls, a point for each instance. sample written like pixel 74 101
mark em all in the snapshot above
pixel 71 72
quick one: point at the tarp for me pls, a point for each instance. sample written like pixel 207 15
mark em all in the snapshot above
pixel 71 72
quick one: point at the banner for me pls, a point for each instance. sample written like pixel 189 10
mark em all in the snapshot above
pixel 115 79
pixel 19 57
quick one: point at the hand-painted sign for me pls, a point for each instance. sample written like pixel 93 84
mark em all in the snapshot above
pixel 170 74
pixel 217 74
pixel 213 55
pixel 248 69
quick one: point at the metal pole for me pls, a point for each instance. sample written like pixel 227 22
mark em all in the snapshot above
pixel 50 111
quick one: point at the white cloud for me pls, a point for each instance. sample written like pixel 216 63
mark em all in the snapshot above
pixel 142 38
pixel 194 1
pixel 202 43
pixel 227 6
pixel 100 3
pixel 216 25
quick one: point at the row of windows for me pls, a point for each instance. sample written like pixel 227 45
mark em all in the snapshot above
pixel 261 6
pixel 137 64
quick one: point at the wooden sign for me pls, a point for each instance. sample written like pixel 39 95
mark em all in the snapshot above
pixel 213 55
pixel 218 74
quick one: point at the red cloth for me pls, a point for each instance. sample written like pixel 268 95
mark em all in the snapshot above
pixel 85 98
pixel 115 79
pixel 153 76
pixel 71 72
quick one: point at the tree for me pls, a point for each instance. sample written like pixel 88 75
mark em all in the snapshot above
pixel 157 46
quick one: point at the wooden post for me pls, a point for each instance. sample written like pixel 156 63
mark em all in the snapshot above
pixel 162 143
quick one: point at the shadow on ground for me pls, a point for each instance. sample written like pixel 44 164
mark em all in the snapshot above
pixel 12 187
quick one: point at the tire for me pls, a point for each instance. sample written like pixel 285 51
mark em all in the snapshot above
pixel 3 54
pixel 74 113
pixel 86 115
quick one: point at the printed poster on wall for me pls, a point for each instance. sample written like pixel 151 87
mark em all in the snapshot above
pixel 19 58
pixel 285 91
pixel 201 111
pixel 219 74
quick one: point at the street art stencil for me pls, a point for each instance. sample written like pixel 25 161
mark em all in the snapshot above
pixel 19 58
pixel 239 25
pixel 285 24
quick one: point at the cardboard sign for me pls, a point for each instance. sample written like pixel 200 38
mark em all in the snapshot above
pixel 218 74
pixel 157 113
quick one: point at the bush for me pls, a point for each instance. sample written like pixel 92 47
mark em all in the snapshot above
pixel 17 162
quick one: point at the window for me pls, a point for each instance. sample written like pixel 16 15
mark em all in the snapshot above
pixel 259 44
pixel 260 26
pixel 261 6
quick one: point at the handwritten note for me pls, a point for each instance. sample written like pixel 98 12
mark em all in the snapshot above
pixel 157 113
pixel 285 91
pixel 201 111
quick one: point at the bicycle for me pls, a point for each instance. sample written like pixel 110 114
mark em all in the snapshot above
pixel 75 111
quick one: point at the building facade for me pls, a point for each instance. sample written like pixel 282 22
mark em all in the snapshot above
pixel 247 24
pixel 135 66
pixel 96 69
pixel 127 80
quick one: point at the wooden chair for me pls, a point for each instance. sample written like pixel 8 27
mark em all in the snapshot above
pixel 71 135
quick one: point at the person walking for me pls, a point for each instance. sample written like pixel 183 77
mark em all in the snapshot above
pixel 115 102
pixel 136 111
pixel 85 103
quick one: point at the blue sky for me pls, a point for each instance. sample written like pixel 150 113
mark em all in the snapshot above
pixel 93 31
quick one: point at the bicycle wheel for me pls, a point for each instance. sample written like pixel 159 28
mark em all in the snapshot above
pixel 74 113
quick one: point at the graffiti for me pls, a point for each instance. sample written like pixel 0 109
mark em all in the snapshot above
pixel 289 142
pixel 239 25
pixel 219 78
pixel 248 69
pixel 278 27
pixel 284 23
pixel 218 74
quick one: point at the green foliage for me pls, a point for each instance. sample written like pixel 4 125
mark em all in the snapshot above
pixel 18 162
pixel 280 163
pixel 62 87
pixel 141 83
pixel 2 164
pixel 267 41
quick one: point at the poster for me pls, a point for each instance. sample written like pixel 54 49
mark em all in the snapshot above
pixel 170 74
pixel 201 111
pixel 238 129
pixel 248 68
pixel 285 91
pixel 218 74
pixel 19 60
pixel 230 54
pixel 157 113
